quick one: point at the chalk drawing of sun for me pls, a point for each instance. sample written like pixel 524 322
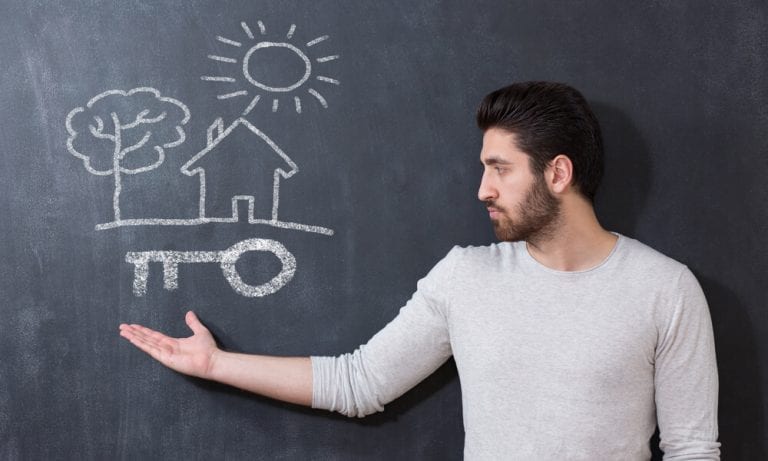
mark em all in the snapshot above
pixel 271 69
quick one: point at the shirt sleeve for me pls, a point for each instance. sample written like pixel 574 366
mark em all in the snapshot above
pixel 686 377
pixel 407 350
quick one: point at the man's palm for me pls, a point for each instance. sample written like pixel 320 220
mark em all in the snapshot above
pixel 192 356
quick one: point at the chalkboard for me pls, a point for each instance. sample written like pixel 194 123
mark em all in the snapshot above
pixel 289 170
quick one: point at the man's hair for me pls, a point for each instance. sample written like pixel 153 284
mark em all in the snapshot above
pixel 549 119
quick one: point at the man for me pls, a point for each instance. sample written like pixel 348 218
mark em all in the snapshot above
pixel 571 342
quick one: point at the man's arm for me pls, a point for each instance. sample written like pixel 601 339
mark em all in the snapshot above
pixel 686 377
pixel 404 352
pixel 283 378
pixel 407 350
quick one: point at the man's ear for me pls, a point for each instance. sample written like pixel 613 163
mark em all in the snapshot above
pixel 560 173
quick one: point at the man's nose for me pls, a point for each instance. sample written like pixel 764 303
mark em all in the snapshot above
pixel 486 191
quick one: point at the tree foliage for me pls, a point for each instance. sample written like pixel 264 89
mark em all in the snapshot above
pixel 126 132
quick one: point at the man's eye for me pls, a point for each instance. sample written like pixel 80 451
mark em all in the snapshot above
pixel 499 169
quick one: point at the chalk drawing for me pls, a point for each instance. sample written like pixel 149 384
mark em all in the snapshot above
pixel 228 41
pixel 250 69
pixel 231 95
pixel 252 104
pixel 222 59
pixel 319 97
pixel 120 133
pixel 198 221
pixel 215 135
pixel 317 40
pixel 247 30
pixel 262 45
pixel 116 132
pixel 227 260
pixel 327 79
pixel 217 79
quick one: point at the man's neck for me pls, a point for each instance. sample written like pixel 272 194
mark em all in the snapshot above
pixel 579 242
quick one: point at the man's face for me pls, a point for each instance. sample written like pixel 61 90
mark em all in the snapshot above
pixel 520 205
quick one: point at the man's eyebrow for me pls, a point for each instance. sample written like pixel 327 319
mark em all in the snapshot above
pixel 495 161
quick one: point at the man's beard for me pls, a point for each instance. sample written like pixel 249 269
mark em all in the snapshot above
pixel 538 216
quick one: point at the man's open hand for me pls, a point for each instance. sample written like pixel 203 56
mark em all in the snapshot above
pixel 192 356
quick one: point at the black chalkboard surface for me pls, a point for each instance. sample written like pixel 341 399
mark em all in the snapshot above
pixel 289 170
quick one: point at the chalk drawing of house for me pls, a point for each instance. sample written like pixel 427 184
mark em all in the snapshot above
pixel 239 167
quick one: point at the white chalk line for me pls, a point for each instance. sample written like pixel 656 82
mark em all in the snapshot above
pixel 232 95
pixel 291 31
pixel 327 79
pixel 228 41
pixel 272 89
pixel 253 103
pixel 235 206
pixel 136 146
pixel 140 119
pixel 201 200
pixel 319 97
pixel 97 131
pixel 182 138
pixel 222 59
pixel 116 167
pixel 298 104
pixel 99 122
pixel 262 29
pixel 143 169
pixel 275 196
pixel 216 128
pixel 275 103
pixel 317 40
pixel 208 78
pixel 327 58
pixel 198 221
pixel 247 30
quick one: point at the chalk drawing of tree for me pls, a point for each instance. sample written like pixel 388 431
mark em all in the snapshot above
pixel 125 132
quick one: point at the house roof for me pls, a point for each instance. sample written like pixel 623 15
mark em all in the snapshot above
pixel 217 133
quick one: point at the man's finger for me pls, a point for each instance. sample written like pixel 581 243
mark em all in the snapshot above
pixel 194 323
pixel 151 337
pixel 151 349
pixel 137 332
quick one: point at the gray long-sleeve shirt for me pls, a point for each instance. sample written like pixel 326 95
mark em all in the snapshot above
pixel 553 365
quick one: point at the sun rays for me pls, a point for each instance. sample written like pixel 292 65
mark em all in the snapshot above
pixel 241 82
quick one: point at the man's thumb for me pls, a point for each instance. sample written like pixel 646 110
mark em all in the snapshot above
pixel 194 323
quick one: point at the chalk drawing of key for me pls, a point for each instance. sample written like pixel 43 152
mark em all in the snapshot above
pixel 226 259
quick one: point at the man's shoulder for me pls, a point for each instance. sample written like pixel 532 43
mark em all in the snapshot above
pixel 637 255
pixel 484 252
pixel 485 257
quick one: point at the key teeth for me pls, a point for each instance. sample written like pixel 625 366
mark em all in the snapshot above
pixel 170 275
